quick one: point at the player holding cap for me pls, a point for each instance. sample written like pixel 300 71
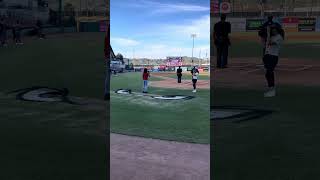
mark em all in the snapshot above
pixel 271 57
pixel 195 73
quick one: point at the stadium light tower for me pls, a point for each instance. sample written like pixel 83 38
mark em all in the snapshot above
pixel 262 6
pixel 193 36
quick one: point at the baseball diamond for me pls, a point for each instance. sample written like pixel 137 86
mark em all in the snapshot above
pixel 148 127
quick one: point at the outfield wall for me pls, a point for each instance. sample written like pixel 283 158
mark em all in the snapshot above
pixel 290 24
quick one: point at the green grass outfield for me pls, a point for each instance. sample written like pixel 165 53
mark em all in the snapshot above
pixel 185 121
pixel 53 141
pixel 281 146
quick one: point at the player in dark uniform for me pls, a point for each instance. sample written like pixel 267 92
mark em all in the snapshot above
pixel 222 29
pixel 179 74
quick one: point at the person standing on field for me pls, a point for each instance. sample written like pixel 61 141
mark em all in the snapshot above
pixel 263 31
pixel 194 73
pixel 271 58
pixel 222 29
pixel 145 77
pixel 17 31
pixel 179 74
pixel 3 32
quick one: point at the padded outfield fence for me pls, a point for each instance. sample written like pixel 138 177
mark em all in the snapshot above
pixel 289 23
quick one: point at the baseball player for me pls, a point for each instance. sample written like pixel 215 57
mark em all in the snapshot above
pixel 195 74
pixel 270 59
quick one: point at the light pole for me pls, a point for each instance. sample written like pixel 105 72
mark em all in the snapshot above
pixel 61 16
pixel 193 36
pixel 207 57
pixel 199 57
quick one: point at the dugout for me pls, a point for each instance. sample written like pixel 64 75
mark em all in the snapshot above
pixel 91 24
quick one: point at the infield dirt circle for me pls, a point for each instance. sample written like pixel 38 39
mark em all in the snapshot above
pixel 169 82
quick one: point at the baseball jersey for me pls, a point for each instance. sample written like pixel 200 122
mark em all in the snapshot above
pixel 195 74
pixel 222 31
pixel 145 76
pixel 274 48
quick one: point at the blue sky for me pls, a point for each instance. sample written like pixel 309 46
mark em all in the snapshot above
pixel 160 28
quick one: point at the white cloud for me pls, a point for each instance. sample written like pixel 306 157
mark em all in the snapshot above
pixel 168 40
pixel 200 27
pixel 124 41
pixel 162 8
pixel 162 51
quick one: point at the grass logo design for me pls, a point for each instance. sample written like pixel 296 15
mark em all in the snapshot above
pixel 43 94
pixel 237 114
pixel 160 97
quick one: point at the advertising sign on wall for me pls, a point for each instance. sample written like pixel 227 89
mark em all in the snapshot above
pixel 254 24
pixel 318 24
pixel 290 24
pixel 174 61
pixel 307 24
pixel 103 26
pixel 237 24
pixel 225 6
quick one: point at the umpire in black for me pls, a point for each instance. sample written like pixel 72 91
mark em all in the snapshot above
pixel 222 29
pixel 179 74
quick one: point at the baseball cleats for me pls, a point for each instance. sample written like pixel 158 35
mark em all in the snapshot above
pixel 270 93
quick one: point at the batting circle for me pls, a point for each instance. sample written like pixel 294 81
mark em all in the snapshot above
pixel 123 91
pixel 173 97
pixel 44 94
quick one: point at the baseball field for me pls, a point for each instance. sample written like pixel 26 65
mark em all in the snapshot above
pixel 155 134
pixel 281 144
pixel 176 120
pixel 53 140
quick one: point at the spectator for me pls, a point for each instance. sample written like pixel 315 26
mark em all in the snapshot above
pixel 39 29
pixel 17 31
pixel 3 32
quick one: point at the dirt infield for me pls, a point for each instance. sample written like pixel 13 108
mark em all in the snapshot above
pixel 168 82
pixel 138 158
pixel 249 72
